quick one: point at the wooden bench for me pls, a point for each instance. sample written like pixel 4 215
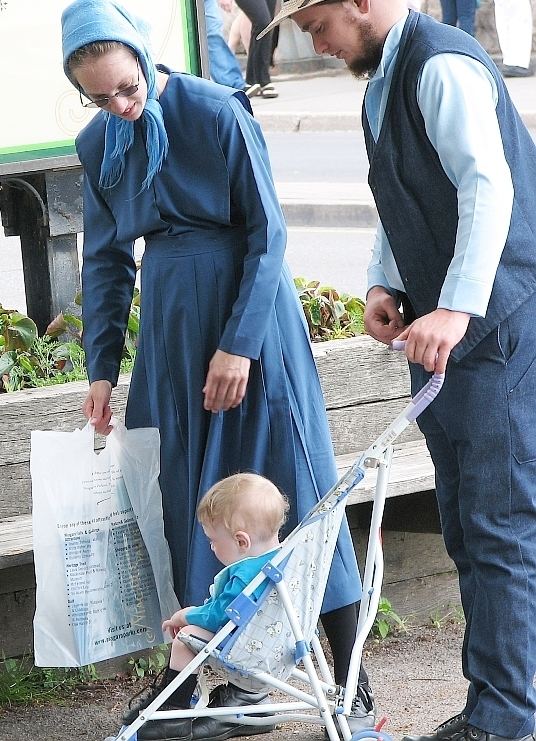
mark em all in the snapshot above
pixel 411 471
pixel 365 386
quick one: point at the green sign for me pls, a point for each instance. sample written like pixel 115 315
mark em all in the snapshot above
pixel 41 111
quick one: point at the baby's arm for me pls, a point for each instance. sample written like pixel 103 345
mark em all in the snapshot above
pixel 176 622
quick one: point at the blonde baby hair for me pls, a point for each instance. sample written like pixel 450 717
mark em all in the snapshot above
pixel 245 501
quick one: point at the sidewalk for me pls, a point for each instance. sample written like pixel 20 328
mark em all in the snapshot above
pixel 416 678
pixel 331 100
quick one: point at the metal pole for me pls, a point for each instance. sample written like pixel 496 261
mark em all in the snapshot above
pixel 202 38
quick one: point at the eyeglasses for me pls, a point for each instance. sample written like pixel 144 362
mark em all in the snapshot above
pixel 103 102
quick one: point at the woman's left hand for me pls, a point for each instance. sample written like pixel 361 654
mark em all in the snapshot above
pixel 226 383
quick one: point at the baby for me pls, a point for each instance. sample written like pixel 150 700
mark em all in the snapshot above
pixel 241 516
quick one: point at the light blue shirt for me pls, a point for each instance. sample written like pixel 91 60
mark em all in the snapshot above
pixel 457 97
pixel 228 583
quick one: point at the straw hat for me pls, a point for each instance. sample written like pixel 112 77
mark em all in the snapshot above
pixel 289 7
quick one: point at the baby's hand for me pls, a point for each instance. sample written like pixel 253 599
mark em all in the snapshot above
pixel 175 622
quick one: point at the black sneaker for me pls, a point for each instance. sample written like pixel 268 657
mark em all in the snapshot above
pixel 362 716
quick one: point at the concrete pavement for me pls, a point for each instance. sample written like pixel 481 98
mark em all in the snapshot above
pixel 327 101
pixel 331 101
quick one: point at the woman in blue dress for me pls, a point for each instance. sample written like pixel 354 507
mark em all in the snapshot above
pixel 224 367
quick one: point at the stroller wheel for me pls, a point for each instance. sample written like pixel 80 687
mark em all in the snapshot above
pixel 380 735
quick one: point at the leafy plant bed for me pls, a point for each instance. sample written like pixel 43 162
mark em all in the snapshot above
pixel 30 361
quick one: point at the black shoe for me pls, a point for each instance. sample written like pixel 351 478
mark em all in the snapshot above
pixel 218 729
pixel 446 731
pixel 166 730
pixel 471 733
pixel 508 70
pixel 146 695
pixel 362 715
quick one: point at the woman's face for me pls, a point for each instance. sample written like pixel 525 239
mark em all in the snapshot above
pixel 101 78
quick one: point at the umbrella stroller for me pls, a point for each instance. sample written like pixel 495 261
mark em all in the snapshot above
pixel 269 643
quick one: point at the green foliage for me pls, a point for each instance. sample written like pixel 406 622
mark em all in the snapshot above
pixel 46 362
pixel 150 664
pixel 17 332
pixel 330 315
pixel 453 615
pixel 30 361
pixel 22 683
pixel 387 621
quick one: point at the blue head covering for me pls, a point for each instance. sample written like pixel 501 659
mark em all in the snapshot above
pixel 86 21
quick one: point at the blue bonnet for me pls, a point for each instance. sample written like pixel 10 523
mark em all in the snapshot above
pixel 87 21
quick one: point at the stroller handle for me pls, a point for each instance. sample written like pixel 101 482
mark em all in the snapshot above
pixel 428 392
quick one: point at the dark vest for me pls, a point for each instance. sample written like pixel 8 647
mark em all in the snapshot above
pixel 416 201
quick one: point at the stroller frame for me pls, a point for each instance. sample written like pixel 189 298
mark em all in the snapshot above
pixel 331 704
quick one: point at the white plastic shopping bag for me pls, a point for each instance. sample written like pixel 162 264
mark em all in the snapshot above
pixel 102 563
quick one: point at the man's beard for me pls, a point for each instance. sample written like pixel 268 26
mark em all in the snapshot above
pixel 370 58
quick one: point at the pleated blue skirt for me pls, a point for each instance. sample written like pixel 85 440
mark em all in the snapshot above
pixel 189 285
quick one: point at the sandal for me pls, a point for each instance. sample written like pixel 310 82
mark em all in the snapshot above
pixel 252 90
pixel 268 91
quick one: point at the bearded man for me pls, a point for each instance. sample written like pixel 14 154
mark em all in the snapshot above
pixel 453 175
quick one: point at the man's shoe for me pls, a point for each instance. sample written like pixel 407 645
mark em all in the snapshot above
pixel 508 70
pixel 472 733
pixel 166 730
pixel 362 715
pixel 451 728
pixel 218 729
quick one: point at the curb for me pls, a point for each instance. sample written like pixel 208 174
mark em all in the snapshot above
pixel 296 122
pixel 308 122
pixel 318 204
pixel 351 214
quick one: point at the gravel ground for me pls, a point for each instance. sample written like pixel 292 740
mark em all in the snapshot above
pixel 416 679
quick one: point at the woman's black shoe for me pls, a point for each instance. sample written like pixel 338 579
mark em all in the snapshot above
pixel 219 729
pixel 166 730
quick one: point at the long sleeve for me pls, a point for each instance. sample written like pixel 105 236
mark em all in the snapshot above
pixel 462 125
pixel 255 203
pixel 457 97
pixel 108 276
pixel 381 263
pixel 211 615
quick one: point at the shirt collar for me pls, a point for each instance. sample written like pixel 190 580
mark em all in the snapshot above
pixel 390 48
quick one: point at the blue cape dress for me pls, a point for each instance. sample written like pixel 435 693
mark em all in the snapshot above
pixel 213 276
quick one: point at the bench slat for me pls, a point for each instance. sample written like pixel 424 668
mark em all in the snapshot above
pixel 16 541
pixel 411 471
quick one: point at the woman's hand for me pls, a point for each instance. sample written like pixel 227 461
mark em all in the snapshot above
pixel 226 383
pixel 96 406
pixel 175 622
